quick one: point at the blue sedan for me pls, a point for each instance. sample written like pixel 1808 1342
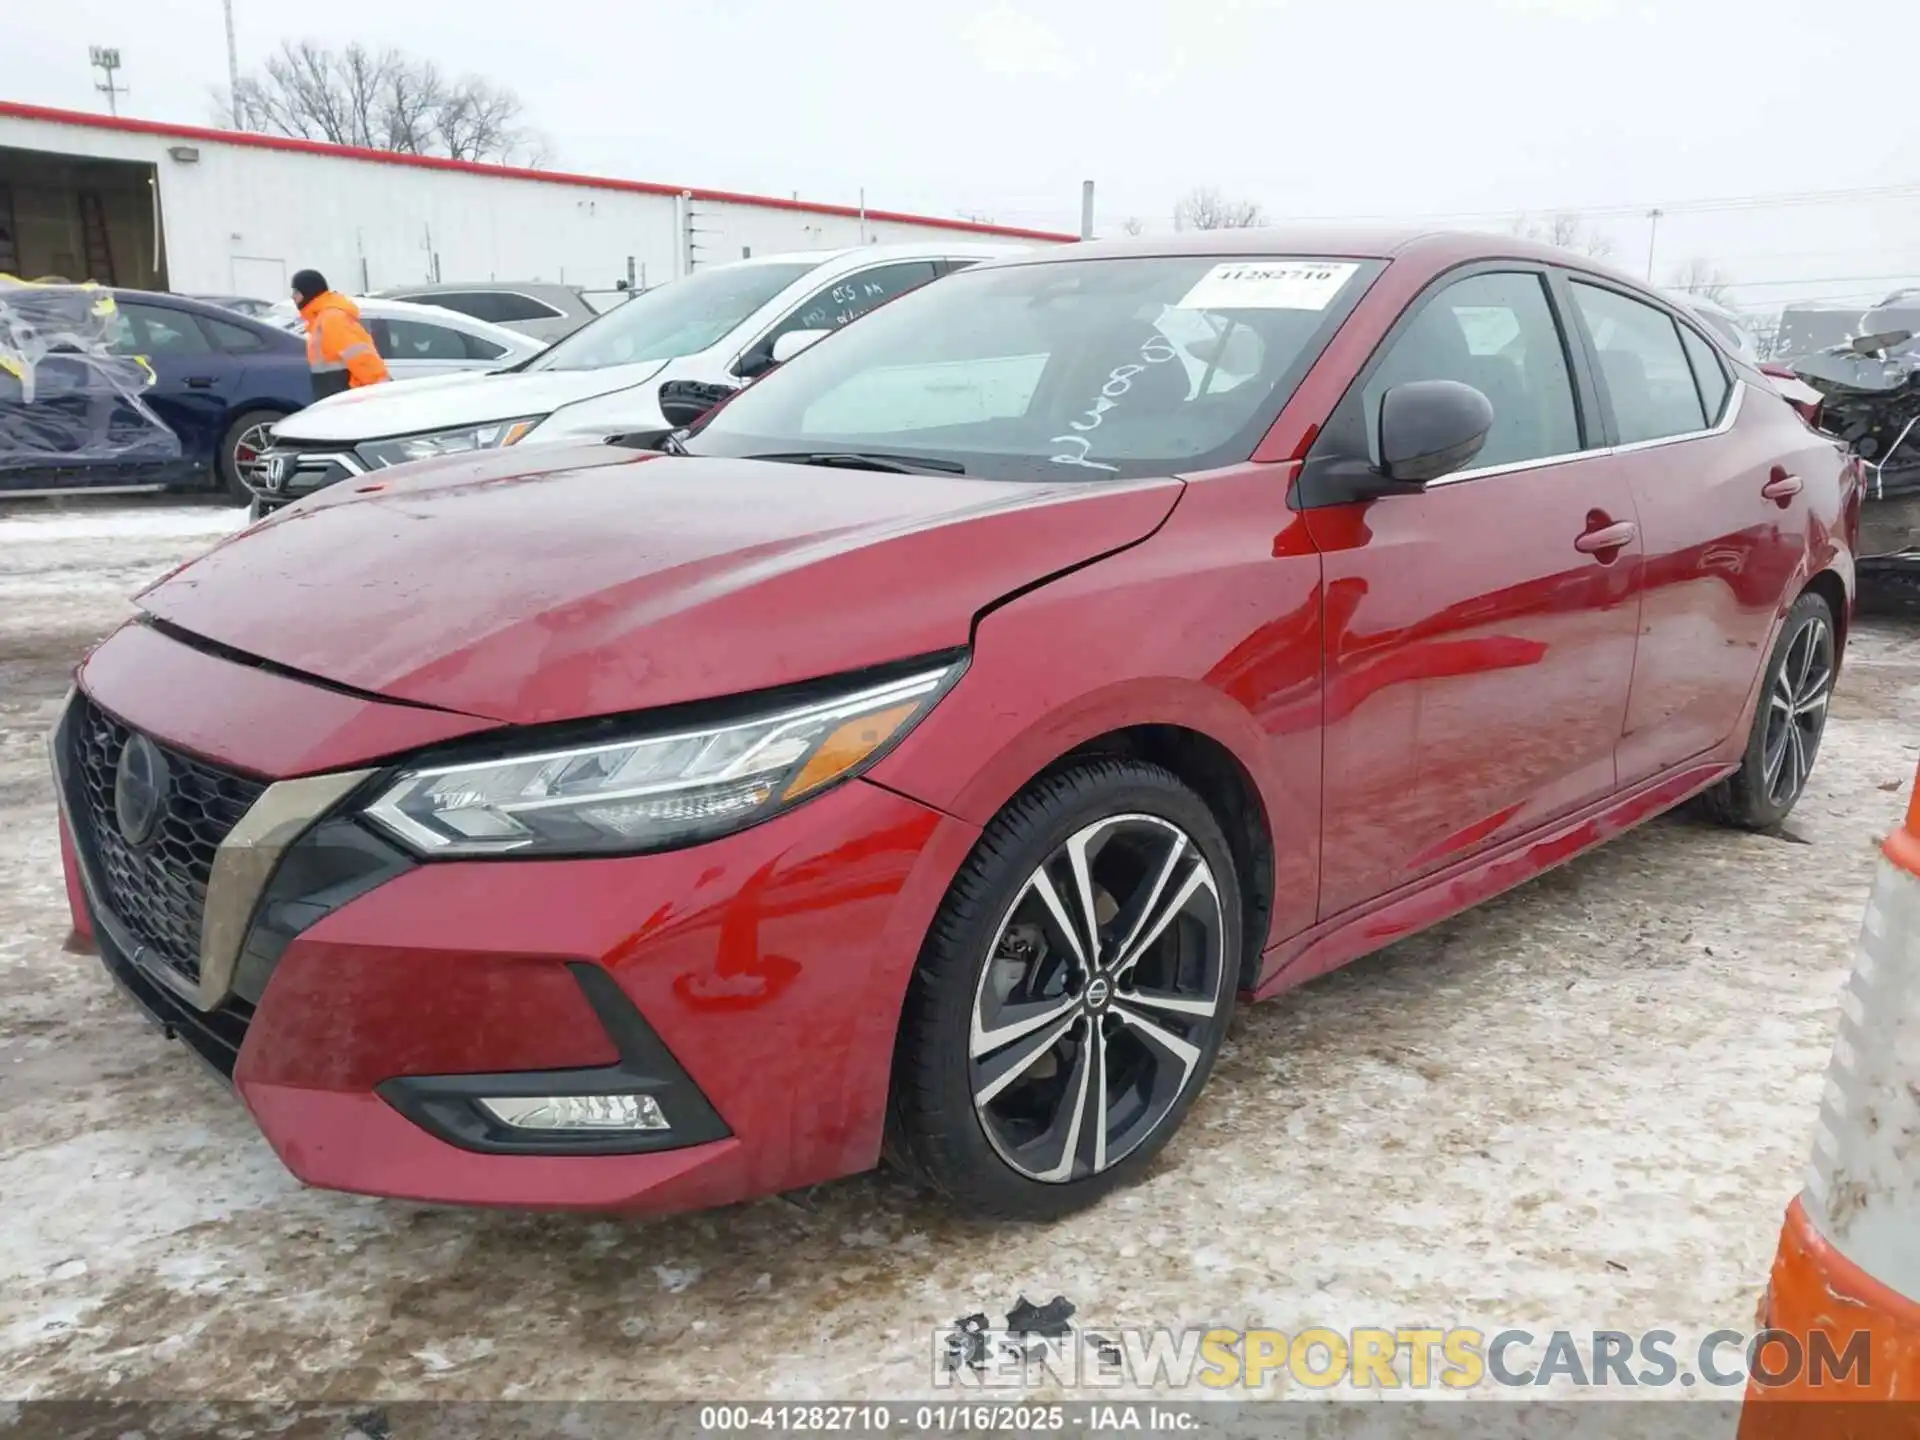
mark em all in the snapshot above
pixel 221 380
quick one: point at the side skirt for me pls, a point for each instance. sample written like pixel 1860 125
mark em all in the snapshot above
pixel 1433 898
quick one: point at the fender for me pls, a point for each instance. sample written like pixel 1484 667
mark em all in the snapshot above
pixel 1213 625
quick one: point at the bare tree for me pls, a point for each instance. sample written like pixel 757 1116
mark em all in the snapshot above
pixel 1700 276
pixel 1765 333
pixel 382 100
pixel 1133 225
pixel 1566 230
pixel 1207 209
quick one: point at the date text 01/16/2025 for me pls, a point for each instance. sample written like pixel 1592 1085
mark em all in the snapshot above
pixel 960 1419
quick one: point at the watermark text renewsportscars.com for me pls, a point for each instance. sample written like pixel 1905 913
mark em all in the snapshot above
pixel 1375 1359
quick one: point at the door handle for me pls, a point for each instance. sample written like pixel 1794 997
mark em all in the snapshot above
pixel 200 382
pixel 1607 539
pixel 1782 487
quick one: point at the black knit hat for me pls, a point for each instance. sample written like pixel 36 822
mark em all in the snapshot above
pixel 309 283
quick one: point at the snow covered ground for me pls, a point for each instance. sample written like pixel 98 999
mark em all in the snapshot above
pixel 1582 1106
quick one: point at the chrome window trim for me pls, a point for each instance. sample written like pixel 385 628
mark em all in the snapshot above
pixel 1728 416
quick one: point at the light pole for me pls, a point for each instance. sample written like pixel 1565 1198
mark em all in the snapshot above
pixel 233 68
pixel 1653 234
pixel 107 61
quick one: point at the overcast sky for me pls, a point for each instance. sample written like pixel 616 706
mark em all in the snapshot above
pixel 1459 110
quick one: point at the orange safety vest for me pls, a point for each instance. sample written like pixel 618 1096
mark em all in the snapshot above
pixel 339 350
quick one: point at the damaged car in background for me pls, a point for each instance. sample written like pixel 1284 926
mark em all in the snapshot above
pixel 1870 398
pixel 71 410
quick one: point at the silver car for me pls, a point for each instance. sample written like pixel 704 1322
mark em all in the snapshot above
pixel 545 312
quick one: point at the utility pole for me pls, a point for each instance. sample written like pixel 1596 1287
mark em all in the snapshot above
pixel 1086 209
pixel 233 68
pixel 107 61
pixel 1653 234
pixel 863 214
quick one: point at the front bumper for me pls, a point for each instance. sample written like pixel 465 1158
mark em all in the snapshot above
pixel 753 984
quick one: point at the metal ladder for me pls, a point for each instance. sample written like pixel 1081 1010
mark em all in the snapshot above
pixel 93 238
pixel 9 234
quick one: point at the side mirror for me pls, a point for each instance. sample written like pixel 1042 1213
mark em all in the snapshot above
pixel 684 401
pixel 794 341
pixel 1431 428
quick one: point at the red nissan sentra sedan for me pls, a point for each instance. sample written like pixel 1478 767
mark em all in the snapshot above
pixel 930 754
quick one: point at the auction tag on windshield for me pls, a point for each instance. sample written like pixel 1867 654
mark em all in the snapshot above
pixel 1268 285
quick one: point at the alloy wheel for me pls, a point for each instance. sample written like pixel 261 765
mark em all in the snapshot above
pixel 249 451
pixel 1093 1010
pixel 1797 710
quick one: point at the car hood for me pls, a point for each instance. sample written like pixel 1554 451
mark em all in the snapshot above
pixel 411 407
pixel 595 580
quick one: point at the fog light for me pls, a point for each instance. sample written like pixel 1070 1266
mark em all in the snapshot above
pixel 577 1112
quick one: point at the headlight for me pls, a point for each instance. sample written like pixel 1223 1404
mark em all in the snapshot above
pixel 381 453
pixel 652 791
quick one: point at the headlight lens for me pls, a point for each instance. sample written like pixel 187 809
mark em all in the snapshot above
pixel 656 790
pixel 381 453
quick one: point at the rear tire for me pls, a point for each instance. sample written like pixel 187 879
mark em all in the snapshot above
pixel 246 437
pixel 1787 725
pixel 1088 1048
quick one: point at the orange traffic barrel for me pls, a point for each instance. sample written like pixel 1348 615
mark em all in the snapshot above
pixel 1839 1357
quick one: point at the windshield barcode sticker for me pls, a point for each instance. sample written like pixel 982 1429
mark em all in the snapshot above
pixel 1267 285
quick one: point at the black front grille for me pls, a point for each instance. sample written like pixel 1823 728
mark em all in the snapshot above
pixel 215 1036
pixel 157 891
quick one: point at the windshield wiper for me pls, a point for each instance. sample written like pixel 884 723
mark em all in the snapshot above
pixel 867 460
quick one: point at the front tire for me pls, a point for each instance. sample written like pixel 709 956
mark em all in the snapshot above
pixel 1071 996
pixel 1787 726
pixel 240 449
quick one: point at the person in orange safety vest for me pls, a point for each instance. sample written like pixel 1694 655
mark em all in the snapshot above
pixel 339 350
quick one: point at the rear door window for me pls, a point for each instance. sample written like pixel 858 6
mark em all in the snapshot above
pixel 416 340
pixel 499 306
pixel 165 332
pixel 233 339
pixel 1708 373
pixel 1643 366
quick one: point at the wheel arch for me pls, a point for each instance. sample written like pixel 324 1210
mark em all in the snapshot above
pixel 1828 585
pixel 1216 775
pixel 1214 748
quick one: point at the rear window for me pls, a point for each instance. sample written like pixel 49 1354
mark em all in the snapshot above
pixel 499 306
pixel 1062 370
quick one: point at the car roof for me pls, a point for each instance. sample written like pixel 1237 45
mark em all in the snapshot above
pixel 468 287
pixel 194 304
pixel 1437 247
pixel 897 250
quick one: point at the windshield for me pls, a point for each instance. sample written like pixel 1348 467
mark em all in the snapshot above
pixel 682 317
pixel 1077 369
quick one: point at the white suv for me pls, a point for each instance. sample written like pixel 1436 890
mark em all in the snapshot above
pixel 643 369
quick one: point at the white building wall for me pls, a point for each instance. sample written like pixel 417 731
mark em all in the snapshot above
pixel 242 218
